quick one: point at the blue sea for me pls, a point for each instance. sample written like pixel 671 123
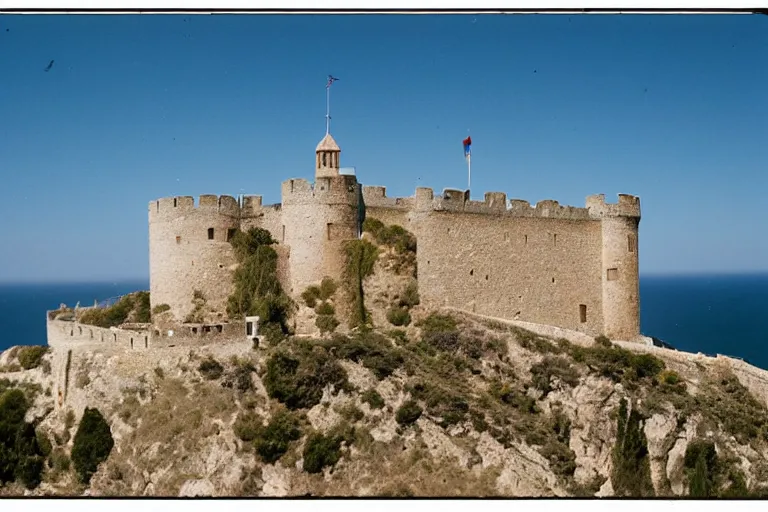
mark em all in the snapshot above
pixel 710 314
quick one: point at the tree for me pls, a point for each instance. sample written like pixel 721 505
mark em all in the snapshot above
pixel 92 444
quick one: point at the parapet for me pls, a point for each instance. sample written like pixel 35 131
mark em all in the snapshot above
pixel 376 197
pixel 339 189
pixel 628 206
pixel 168 207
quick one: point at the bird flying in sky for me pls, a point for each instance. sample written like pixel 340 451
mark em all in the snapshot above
pixel 50 65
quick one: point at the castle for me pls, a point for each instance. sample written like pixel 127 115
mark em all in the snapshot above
pixel 575 268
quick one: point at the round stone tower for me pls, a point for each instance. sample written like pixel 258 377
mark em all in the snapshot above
pixel 620 269
pixel 189 251
pixel 318 219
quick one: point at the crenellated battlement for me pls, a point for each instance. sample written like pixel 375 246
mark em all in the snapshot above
pixel 339 189
pixel 168 207
pixel 496 203
pixel 628 206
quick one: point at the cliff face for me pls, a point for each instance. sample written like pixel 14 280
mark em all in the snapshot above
pixel 451 405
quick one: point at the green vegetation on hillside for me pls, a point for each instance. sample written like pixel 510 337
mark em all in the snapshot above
pixel 133 307
pixel 92 444
pixel 257 289
pixel 21 456
pixel 360 256
pixel 398 238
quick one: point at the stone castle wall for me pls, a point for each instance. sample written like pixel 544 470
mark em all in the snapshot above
pixel 566 266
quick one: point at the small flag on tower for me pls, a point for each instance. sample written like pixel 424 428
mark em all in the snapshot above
pixel 467 146
pixel 331 79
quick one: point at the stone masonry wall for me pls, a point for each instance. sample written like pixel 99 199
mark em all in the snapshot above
pixel 66 333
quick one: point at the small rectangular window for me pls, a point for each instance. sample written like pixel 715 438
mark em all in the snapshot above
pixel 554 239
pixel 174 202
pixel 178 239
pixel 210 233
pixel 613 274
pixel 328 228
pixel 526 240
pixel 631 243
pixel 583 313
pixel 249 328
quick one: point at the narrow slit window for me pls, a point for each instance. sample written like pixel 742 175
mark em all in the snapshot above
pixel 178 239
pixel 283 233
pixel 210 233
pixel 175 203
pixel 328 231
pixel 612 274
pixel 526 240
pixel 631 243
pixel 583 313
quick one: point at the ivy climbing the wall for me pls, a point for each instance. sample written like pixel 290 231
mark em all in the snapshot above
pixel 361 256
pixel 257 289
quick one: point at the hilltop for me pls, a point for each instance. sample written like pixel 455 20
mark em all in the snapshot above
pixel 453 404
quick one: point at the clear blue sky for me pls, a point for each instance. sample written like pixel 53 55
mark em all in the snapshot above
pixel 671 108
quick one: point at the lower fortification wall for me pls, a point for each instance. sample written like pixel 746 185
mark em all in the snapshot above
pixel 533 269
pixel 67 333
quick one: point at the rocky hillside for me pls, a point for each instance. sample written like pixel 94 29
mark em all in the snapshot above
pixel 449 405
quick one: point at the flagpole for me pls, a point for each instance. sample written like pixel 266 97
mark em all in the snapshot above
pixel 327 109
pixel 469 171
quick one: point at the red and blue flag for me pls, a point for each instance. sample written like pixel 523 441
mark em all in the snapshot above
pixel 467 146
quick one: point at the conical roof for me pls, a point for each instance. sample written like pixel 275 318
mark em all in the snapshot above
pixel 327 144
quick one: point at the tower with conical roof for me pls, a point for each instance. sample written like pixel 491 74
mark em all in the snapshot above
pixel 327 157
pixel 318 220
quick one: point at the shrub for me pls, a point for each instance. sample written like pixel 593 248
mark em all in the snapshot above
pixel 371 349
pixel 408 413
pixel 398 316
pixel 325 308
pixel 247 426
pixel 298 380
pixel 631 474
pixel 361 257
pixel 92 444
pixel 321 451
pixel 111 316
pixel 445 404
pixel 326 323
pixel 410 296
pixel 142 312
pixel 373 399
pixel 553 366
pixel 31 357
pixel 310 295
pixel 160 309
pixel 271 442
pixel 257 289
pixel 21 456
pixel 603 341
pixel 327 288
pixel 562 460
pixel 240 377
pixel 700 465
pixel 211 369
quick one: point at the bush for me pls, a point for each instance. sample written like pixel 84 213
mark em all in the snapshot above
pixel 553 366
pixel 603 341
pixel 111 316
pixel 631 474
pixel 327 288
pixel 211 369
pixel 410 296
pixel 247 426
pixel 360 257
pixel 92 444
pixel 398 316
pixel 326 323
pixel 142 313
pixel 160 309
pixel 310 295
pixel 298 380
pixel 700 464
pixel 445 404
pixel 373 399
pixel 321 451
pixel 240 377
pixel 408 413
pixel 371 349
pixel 271 442
pixel 325 308
pixel 21 456
pixel 31 357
